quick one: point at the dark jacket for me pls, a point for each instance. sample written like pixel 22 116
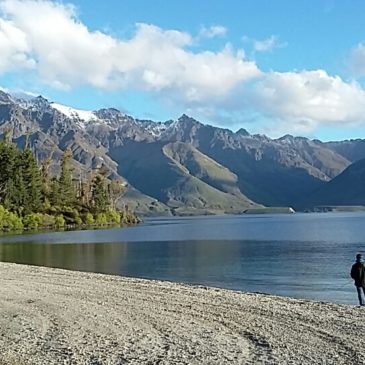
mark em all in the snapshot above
pixel 358 274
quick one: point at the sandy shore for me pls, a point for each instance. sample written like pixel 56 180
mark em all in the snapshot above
pixel 51 316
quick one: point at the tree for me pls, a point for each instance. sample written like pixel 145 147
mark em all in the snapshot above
pixel 8 157
pixel 116 190
pixel 31 182
pixel 15 192
pixel 55 193
pixel 8 135
pixel 46 176
pixel 66 186
pixel 27 192
pixel 100 196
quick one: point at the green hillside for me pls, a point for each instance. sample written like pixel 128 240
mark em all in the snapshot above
pixel 203 167
pixel 166 173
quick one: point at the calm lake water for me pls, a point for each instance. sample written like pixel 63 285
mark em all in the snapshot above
pixel 299 255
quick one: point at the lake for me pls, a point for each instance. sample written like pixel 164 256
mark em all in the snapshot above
pixel 299 255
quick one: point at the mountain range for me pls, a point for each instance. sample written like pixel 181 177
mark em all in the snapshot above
pixel 185 167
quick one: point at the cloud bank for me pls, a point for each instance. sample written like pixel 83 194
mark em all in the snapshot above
pixel 304 101
pixel 48 40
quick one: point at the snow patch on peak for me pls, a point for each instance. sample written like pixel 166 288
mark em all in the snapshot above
pixel 155 128
pixel 173 124
pixel 82 115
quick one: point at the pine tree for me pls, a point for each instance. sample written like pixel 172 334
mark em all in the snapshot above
pixel 11 187
pixel 55 193
pixel 66 186
pixel 100 196
pixel 26 191
pixel 8 154
pixel 15 192
pixel 32 182
pixel 46 177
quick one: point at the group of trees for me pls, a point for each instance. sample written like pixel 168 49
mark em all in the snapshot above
pixel 31 197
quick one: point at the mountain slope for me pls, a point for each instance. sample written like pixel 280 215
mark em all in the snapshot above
pixel 203 167
pixel 155 170
pixel 348 188
pixel 270 172
pixel 353 150
pixel 181 163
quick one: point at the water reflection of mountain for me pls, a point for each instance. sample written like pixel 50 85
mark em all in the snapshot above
pixel 102 258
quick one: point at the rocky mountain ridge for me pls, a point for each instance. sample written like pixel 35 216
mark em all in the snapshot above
pixel 180 165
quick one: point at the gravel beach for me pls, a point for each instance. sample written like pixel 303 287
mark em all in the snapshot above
pixel 51 316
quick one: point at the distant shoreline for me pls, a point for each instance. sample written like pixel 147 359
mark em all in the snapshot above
pixel 51 316
pixel 70 228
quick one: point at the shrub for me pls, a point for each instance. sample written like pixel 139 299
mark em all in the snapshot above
pixel 60 221
pixel 11 222
pixel 89 219
pixel 33 221
pixel 113 217
pixel 101 219
pixel 71 216
pixel 48 220
pixel 2 214
pixel 46 206
pixel 77 218
pixel 128 218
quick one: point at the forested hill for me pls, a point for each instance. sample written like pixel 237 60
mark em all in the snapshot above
pixel 32 198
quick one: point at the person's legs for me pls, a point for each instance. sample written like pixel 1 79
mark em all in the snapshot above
pixel 363 289
pixel 359 294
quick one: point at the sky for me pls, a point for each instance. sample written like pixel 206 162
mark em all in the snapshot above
pixel 271 67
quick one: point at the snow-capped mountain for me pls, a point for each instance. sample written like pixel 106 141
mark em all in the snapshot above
pixel 83 116
pixel 182 164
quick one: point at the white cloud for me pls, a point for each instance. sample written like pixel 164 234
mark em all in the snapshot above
pixel 213 31
pixel 49 37
pixel 14 47
pixel 303 101
pixel 48 40
pixel 266 44
pixel 357 60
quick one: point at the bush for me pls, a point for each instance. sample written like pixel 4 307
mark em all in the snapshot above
pixel 54 210
pixel 128 218
pixel 113 217
pixel 101 219
pixel 33 221
pixel 48 220
pixel 77 218
pixel 71 216
pixel 46 206
pixel 15 222
pixel 60 221
pixel 89 219
pixel 2 214
pixel 11 222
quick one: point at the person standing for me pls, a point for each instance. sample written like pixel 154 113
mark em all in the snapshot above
pixel 358 274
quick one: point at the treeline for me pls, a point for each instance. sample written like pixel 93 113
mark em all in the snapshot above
pixel 32 198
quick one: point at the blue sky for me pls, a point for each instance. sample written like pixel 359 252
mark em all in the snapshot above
pixel 272 67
